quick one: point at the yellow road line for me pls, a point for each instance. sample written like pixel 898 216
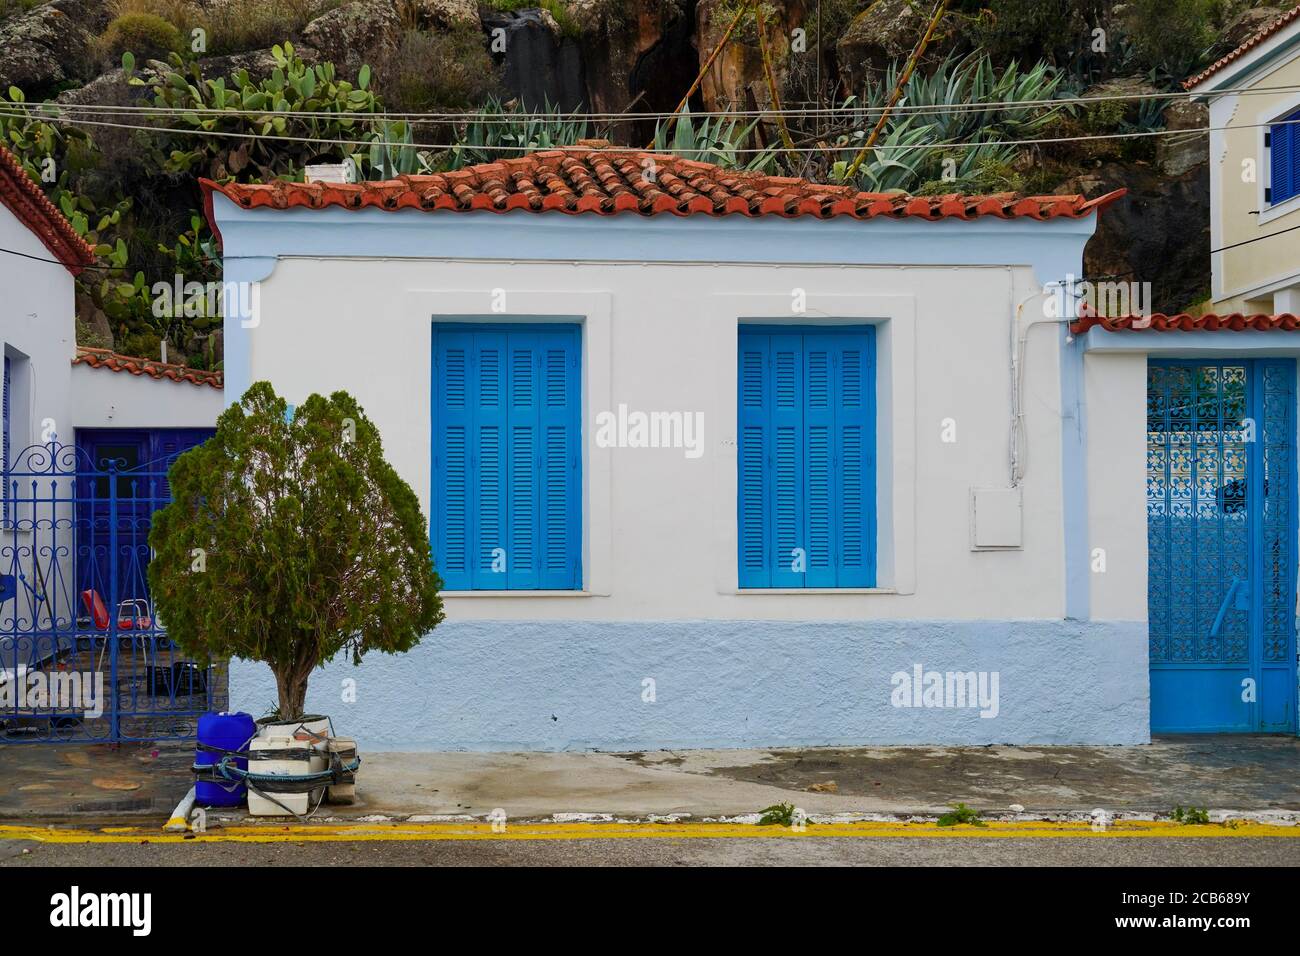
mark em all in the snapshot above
pixel 329 833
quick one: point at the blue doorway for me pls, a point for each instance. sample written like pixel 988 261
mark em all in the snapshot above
pixel 1221 529
pixel 127 485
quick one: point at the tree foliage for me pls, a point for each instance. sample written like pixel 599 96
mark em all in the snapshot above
pixel 290 539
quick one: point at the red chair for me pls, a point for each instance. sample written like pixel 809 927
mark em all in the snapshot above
pixel 95 608
pixel 132 614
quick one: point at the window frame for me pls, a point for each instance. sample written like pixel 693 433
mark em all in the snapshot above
pixel 1286 124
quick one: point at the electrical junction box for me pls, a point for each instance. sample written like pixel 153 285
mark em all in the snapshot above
pixel 996 519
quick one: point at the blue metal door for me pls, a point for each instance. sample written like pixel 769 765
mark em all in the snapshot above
pixel 1221 526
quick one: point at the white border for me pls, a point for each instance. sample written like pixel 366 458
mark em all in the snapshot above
pixel 592 311
pixel 895 319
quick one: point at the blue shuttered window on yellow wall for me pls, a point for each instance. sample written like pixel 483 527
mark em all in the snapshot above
pixel 1284 158
pixel 507 456
pixel 806 457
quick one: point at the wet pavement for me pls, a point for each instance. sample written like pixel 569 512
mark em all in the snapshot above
pixel 1257 774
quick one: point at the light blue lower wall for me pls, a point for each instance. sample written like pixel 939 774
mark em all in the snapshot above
pixel 482 685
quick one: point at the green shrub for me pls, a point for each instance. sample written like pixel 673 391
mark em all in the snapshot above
pixel 778 815
pixel 568 25
pixel 1170 37
pixel 433 72
pixel 1055 29
pixel 960 813
pixel 1191 816
pixel 988 176
pixel 146 35
pixel 362 581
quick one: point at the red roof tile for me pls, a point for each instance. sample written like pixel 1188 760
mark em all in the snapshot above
pixel 104 358
pixel 613 180
pixel 1255 40
pixel 1159 322
pixel 26 200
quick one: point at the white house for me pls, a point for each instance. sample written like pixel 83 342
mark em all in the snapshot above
pixel 718 459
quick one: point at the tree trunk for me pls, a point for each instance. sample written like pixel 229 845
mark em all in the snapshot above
pixel 292 692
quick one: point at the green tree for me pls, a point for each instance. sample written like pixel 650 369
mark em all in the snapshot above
pixel 290 539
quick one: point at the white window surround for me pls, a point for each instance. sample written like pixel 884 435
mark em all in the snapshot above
pixel 895 319
pixel 590 310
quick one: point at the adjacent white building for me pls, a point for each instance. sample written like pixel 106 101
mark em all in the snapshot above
pixel 69 415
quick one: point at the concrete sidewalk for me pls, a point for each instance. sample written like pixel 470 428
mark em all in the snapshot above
pixel 1254 775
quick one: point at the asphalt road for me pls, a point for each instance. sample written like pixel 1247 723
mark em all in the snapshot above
pixel 809 851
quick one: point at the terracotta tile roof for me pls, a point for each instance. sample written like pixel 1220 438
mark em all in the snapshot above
pixel 26 200
pixel 104 358
pixel 608 181
pixel 1291 16
pixel 1159 322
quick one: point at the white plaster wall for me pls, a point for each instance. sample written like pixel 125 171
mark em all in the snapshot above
pixel 661 337
pixel 102 398
pixel 1115 389
pixel 36 321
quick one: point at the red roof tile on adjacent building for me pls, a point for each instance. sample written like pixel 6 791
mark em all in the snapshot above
pixel 25 199
pixel 608 181
pixel 1255 40
pixel 1159 322
pixel 105 358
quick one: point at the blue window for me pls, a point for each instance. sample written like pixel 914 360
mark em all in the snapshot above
pixel 806 457
pixel 1284 158
pixel 507 458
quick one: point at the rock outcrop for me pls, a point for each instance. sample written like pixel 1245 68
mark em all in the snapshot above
pixel 1159 232
pixel 543 68
pixel 50 45
pixel 364 31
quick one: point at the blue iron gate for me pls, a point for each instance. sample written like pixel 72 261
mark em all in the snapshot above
pixel 1221 526
pixel 83 654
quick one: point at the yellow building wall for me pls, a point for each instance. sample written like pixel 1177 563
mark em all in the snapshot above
pixel 1245 275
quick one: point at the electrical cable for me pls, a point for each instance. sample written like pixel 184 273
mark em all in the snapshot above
pixel 514 117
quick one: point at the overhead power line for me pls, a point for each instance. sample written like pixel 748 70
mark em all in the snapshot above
pixel 480 116
pixel 339 141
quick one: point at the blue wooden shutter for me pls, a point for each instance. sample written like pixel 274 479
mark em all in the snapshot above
pixel 524 480
pixel 820 352
pixel 559 508
pixel 855 460
pixel 806 459
pixel 506 469
pixel 1284 159
pixel 789 536
pixel 753 454
pixel 452 516
pixel 489 451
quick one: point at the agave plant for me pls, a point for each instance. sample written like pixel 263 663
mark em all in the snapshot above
pixel 969 98
pixel 503 133
pixel 716 140
pixel 394 153
pixel 966 103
